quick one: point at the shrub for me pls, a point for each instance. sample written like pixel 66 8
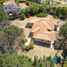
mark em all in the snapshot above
pixel 55 17
pixel 31 45
pixel 57 44
pixel 22 16
pixel 23 41
pixel 41 14
pixel 65 64
pixel 51 61
pixel 27 12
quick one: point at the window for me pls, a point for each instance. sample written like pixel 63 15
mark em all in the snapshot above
pixel 5 7
pixel 49 29
pixel 55 27
pixel 9 7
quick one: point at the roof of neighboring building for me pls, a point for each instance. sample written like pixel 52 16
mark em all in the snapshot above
pixel 22 5
pixel 9 2
pixel 13 3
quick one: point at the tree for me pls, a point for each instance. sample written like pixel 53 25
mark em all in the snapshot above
pixel 12 32
pixel 1 1
pixel 34 8
pixel 63 34
pixel 65 64
pixel 27 12
pixel 22 16
pixel 42 14
pixel 35 61
pixel 7 37
pixel 3 41
pixel 20 1
pixel 42 8
pixel 3 15
pixel 3 24
pixel 64 54
pixel 63 31
pixel 13 60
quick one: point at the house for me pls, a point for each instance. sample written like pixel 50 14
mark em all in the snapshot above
pixel 44 30
pixel 10 6
pixel 13 9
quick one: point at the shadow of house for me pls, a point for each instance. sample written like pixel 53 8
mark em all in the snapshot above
pixel 44 44
pixel 30 35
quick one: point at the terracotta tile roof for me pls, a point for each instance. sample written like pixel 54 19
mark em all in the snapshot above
pixel 33 19
pixel 22 5
pixel 42 24
pixel 40 29
pixel 9 2
pixel 50 36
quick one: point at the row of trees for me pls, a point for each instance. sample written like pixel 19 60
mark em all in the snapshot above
pixel 58 11
pixel 13 60
pixel 61 43
pixel 42 10
pixel 33 9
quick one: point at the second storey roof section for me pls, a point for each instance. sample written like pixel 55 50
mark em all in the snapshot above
pixel 45 24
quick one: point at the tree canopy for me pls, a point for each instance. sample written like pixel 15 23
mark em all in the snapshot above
pixel 1 1
pixel 7 37
pixel 14 60
pixel 3 15
pixel 63 31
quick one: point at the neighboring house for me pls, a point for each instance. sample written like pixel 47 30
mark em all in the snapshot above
pixel 22 6
pixel 44 30
pixel 10 6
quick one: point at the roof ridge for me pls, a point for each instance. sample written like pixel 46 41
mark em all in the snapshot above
pixel 47 25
